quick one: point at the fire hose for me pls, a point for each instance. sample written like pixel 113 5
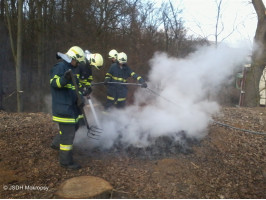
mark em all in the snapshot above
pixel 239 129
pixel 116 83
pixel 156 94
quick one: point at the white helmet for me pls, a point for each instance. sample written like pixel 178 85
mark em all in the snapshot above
pixel 76 53
pixel 122 58
pixel 96 60
pixel 113 54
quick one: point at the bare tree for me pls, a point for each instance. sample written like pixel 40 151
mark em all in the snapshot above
pixel 219 25
pixel 258 58
pixel 19 57
pixel 3 58
pixel 133 26
pixel 17 53
pixel 173 27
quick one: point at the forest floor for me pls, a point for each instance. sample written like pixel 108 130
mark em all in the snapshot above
pixel 227 163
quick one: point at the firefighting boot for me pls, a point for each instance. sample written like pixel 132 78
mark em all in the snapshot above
pixel 66 160
pixel 73 166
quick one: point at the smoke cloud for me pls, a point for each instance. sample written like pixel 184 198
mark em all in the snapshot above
pixel 180 98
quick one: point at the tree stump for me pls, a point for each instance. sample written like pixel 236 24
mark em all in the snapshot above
pixel 84 187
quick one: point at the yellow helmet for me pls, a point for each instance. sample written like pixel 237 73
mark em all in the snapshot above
pixel 122 58
pixel 76 53
pixel 96 60
pixel 113 54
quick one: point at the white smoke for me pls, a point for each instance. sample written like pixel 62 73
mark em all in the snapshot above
pixel 182 101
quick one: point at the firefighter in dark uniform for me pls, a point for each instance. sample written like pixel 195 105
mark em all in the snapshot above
pixel 84 75
pixel 119 72
pixel 65 110
pixel 85 71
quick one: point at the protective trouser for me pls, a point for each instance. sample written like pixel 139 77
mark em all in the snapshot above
pixel 66 143
pixel 56 140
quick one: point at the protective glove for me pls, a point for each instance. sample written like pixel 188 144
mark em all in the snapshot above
pixel 67 75
pixel 106 82
pixel 86 90
pixel 144 85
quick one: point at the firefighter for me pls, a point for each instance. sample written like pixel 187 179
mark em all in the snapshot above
pixel 119 72
pixel 65 110
pixel 85 71
pixel 85 77
pixel 113 55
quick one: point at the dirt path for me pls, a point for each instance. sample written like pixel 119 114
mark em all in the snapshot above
pixel 225 164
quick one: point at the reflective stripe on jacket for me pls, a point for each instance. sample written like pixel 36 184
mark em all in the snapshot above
pixel 116 74
pixel 85 75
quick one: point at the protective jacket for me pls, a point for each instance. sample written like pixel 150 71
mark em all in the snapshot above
pixel 64 98
pixel 85 74
pixel 116 92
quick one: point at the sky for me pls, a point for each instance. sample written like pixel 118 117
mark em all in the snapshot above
pixel 238 16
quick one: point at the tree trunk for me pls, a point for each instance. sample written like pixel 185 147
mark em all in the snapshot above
pixel 16 54
pixel 2 10
pixel 252 95
pixel 19 57
pixel 8 16
pixel 39 55
pixel 3 58
pixel 217 21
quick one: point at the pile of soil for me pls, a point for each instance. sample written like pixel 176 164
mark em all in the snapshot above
pixel 227 163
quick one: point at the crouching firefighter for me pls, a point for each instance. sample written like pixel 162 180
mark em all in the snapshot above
pixel 118 74
pixel 65 108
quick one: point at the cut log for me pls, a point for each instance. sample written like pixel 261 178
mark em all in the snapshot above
pixel 84 187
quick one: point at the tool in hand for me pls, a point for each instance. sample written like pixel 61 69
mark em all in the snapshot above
pixel 92 130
